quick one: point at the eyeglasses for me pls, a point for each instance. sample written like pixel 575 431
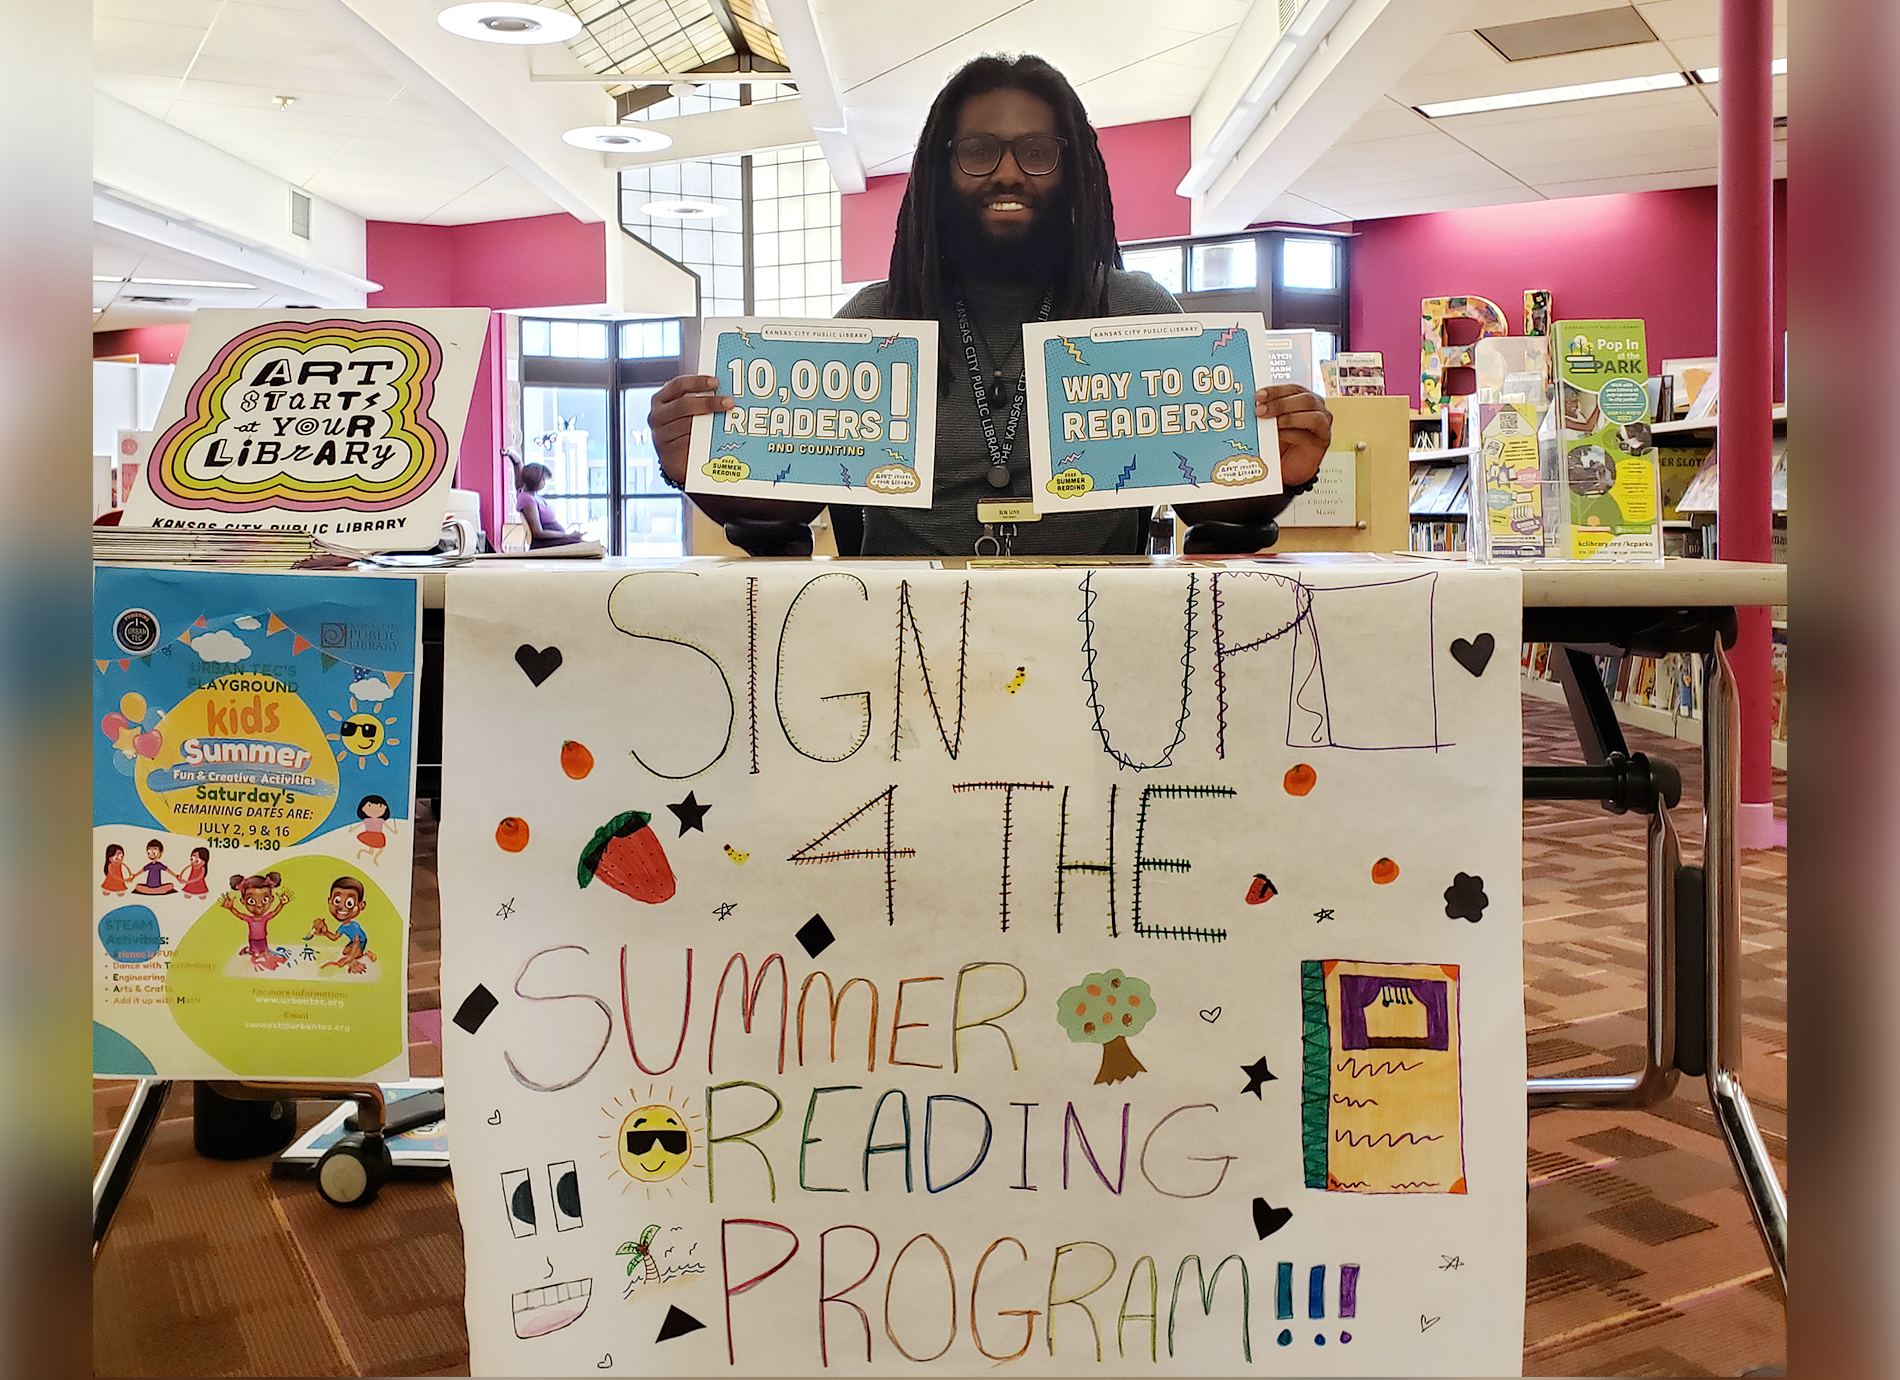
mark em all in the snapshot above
pixel 979 155
pixel 350 730
pixel 639 1142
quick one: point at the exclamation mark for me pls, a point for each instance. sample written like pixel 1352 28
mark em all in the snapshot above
pixel 1315 1298
pixel 900 401
pixel 1348 1296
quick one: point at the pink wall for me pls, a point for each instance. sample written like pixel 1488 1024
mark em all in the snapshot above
pixel 1640 254
pixel 152 344
pixel 1145 163
pixel 504 265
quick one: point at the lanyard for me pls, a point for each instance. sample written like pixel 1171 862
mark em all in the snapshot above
pixel 999 452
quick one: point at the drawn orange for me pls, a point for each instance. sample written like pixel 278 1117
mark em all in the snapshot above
pixel 512 834
pixel 576 760
pixel 1385 870
pixel 1300 779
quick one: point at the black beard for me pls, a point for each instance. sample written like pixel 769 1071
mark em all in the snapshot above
pixel 1037 255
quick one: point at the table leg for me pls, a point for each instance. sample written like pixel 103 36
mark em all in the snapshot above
pixel 1721 789
pixel 121 1159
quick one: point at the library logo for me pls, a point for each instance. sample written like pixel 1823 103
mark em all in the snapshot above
pixel 136 631
pixel 337 638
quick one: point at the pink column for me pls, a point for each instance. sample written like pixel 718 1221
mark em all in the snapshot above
pixel 1744 343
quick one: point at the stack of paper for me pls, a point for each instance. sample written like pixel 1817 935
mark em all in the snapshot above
pixel 201 546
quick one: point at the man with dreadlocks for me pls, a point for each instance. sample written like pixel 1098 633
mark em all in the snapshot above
pixel 1007 219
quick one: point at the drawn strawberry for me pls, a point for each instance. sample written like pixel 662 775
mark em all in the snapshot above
pixel 627 856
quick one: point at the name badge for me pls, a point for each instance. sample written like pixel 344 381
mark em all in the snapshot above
pixel 996 511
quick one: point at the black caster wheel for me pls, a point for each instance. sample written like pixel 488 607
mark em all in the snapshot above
pixel 352 1170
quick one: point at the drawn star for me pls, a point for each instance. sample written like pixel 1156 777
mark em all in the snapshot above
pixel 690 813
pixel 725 909
pixel 507 909
pixel 1452 1262
pixel 1321 915
pixel 1257 1073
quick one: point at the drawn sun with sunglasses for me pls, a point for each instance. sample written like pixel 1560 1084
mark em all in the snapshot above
pixel 654 1142
pixel 362 735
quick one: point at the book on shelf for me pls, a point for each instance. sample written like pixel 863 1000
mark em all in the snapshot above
pixel 1667 684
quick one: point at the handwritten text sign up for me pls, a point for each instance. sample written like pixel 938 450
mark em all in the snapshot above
pixel 874 969
pixel 823 411
pixel 1149 409
pixel 339 423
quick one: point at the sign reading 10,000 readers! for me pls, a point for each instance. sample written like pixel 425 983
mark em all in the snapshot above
pixel 823 411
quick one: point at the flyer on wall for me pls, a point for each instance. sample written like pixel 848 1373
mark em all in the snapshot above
pixel 253 777
pixel 824 411
pixel 1134 411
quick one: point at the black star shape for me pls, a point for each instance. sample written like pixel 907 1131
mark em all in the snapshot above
pixel 690 813
pixel 1320 915
pixel 507 908
pixel 724 909
pixel 1257 1073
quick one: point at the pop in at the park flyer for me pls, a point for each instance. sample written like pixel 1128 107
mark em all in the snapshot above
pixel 1139 410
pixel 825 411
pixel 1603 430
pixel 253 773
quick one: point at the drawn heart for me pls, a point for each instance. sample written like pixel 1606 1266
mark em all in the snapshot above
pixel 1425 1323
pixel 1268 1220
pixel 1211 1015
pixel 542 664
pixel 495 1120
pixel 1474 655
pixel 605 1362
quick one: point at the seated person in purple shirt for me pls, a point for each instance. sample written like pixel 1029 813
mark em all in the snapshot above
pixel 544 528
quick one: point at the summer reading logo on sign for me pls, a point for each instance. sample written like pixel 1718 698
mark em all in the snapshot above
pixel 1140 410
pixel 251 784
pixel 344 424
pixel 824 411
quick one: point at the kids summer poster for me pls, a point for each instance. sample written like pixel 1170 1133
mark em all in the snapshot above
pixel 1140 410
pixel 253 773
pixel 824 411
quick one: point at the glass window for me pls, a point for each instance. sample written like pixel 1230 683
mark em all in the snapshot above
pixel 1309 264
pixel 649 340
pixel 593 340
pixel 654 527
pixel 1228 264
pixel 566 430
pixel 564 339
pixel 534 337
pixel 1163 265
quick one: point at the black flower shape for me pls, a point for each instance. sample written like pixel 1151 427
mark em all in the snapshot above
pixel 1465 898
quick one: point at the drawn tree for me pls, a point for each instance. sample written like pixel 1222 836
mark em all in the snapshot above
pixel 1105 1009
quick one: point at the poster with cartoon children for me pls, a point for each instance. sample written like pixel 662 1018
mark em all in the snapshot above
pixel 253 780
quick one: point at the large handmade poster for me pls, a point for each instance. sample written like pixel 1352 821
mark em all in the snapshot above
pixel 343 424
pixel 252 773
pixel 878 968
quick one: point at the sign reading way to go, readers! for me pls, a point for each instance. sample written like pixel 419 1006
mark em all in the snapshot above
pixel 824 411
pixel 343 424
pixel 1139 410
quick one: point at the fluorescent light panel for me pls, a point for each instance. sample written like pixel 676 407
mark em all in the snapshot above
pixel 175 282
pixel 1622 86
pixel 1777 68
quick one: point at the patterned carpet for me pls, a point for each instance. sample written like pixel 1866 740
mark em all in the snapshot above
pixel 1643 1259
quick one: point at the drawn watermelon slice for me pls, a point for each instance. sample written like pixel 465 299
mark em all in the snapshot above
pixel 627 856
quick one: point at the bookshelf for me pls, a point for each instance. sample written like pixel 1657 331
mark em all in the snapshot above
pixel 1441 474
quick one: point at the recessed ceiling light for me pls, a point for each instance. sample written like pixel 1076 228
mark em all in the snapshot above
pixel 683 208
pixel 283 103
pixel 500 21
pixel 618 139
pixel 105 278
pixel 1777 68
pixel 1622 86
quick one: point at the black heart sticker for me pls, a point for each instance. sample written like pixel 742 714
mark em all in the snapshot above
pixel 542 664
pixel 1474 655
pixel 1268 1220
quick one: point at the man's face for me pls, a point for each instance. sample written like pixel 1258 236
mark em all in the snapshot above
pixel 1006 209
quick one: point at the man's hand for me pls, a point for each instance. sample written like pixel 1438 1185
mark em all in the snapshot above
pixel 1306 428
pixel 670 418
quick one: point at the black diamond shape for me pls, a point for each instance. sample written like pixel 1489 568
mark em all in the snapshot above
pixel 475 1009
pixel 815 935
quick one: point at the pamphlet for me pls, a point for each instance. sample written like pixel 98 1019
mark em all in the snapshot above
pixel 1609 457
pixel 1135 411
pixel 825 411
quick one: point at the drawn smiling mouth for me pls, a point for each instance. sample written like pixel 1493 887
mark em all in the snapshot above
pixel 551 1307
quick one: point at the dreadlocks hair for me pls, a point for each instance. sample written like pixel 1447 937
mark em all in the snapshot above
pixel 917 272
